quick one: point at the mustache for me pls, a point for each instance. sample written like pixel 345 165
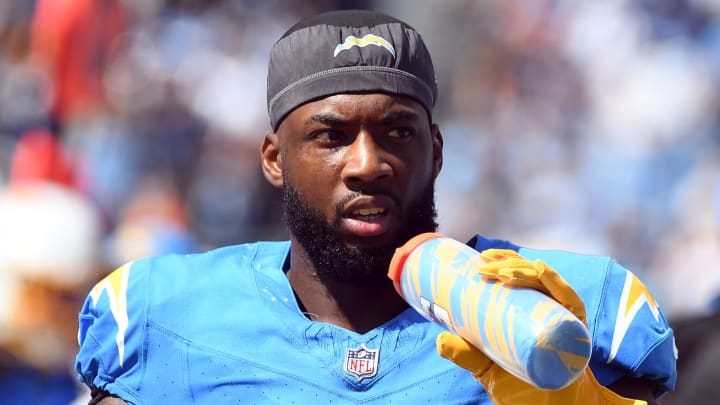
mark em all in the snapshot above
pixel 340 205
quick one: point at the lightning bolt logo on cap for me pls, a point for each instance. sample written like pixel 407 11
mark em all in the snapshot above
pixel 634 296
pixel 369 39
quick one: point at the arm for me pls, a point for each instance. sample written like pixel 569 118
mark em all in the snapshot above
pixel 109 332
pixel 100 397
pixel 504 388
pixel 634 388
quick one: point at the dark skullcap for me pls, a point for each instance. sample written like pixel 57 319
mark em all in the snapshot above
pixel 344 52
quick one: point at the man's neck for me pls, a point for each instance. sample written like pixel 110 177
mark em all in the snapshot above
pixel 359 307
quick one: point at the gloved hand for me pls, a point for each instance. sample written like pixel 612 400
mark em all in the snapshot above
pixel 509 267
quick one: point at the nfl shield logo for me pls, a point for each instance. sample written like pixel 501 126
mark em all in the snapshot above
pixel 361 362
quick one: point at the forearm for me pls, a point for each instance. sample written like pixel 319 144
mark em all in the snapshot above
pixel 634 388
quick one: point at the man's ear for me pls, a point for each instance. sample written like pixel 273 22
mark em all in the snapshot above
pixel 271 159
pixel 437 145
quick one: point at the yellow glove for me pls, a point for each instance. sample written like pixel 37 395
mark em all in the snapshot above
pixel 504 388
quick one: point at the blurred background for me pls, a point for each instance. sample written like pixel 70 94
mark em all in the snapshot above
pixel 131 128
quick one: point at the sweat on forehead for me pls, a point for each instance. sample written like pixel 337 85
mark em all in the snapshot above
pixel 348 51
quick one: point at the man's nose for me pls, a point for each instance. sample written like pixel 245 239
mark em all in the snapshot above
pixel 365 161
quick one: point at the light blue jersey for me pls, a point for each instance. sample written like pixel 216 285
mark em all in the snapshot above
pixel 225 327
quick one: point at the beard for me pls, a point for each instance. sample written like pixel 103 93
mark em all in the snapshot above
pixel 337 261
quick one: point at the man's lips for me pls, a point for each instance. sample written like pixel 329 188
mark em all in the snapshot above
pixel 368 216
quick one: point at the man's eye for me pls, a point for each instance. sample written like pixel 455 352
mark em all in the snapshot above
pixel 400 133
pixel 327 136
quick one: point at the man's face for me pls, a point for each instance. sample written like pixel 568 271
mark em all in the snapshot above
pixel 357 172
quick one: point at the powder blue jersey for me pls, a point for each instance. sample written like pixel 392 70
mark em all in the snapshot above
pixel 224 327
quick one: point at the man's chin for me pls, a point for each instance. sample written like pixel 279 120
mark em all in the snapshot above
pixel 385 240
pixel 341 255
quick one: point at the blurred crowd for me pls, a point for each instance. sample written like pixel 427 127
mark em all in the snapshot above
pixel 131 128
